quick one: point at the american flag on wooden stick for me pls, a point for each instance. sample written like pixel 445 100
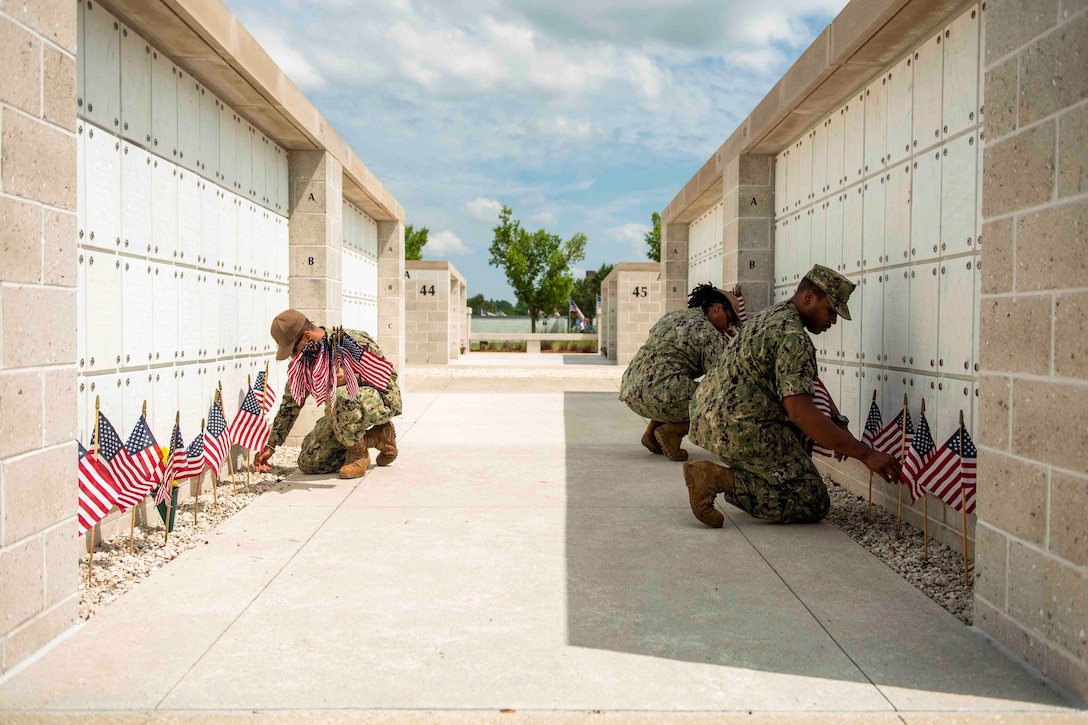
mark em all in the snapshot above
pixel 131 486
pixel 194 459
pixel 952 467
pixel 821 398
pixel 890 438
pixel 265 394
pixel 97 490
pixel 216 437
pixel 918 454
pixel 873 424
pixel 144 451
pixel 742 311
pixel 175 462
pixel 374 370
pixel 249 428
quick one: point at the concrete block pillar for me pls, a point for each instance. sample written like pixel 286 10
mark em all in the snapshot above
pixel 674 265
pixel 747 229
pixel 391 292
pixel 315 227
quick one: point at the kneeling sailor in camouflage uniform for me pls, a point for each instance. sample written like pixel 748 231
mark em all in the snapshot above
pixel 752 407
pixel 341 439
pixel 683 345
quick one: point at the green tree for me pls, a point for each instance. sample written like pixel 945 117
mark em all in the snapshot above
pixel 477 303
pixel 414 241
pixel 653 238
pixel 586 290
pixel 537 264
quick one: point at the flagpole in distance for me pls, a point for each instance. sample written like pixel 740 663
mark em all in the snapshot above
pixel 925 504
pixel 870 472
pixel 230 463
pixel 170 483
pixel 132 519
pixel 963 506
pixel 902 458
pixel 94 452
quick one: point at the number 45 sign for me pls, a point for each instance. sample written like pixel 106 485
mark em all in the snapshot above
pixel 640 292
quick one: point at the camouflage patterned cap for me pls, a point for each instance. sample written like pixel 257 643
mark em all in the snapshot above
pixel 835 286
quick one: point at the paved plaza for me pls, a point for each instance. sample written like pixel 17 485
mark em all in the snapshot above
pixel 525 554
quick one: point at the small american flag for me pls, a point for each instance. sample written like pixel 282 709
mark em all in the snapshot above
pixel 298 379
pixel 175 462
pixel 194 459
pixel 873 424
pixel 742 311
pixel 97 490
pixel 216 438
pixel 249 428
pixel 822 400
pixel 953 467
pixel 131 486
pixel 265 394
pixel 918 453
pixel 374 370
pixel 143 449
pixel 890 438
pixel 320 385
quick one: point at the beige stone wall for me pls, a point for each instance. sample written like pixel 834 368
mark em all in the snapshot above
pixel 434 312
pixel 632 301
pixel 1031 589
pixel 747 239
pixel 38 543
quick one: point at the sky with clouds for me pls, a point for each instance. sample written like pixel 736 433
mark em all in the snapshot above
pixel 580 115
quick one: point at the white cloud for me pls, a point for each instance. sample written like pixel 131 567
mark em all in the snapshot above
pixel 293 63
pixel 444 244
pixel 544 218
pixel 629 232
pixel 484 210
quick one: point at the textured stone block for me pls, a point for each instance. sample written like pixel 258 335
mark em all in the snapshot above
pixel 1019 171
pixel 1013 496
pixel 1026 645
pixel 21 240
pixel 755 234
pixel 44 316
pixel 62 549
pixel 1073 152
pixel 60 420
pixel 21 81
pixel 1053 71
pixel 1068 672
pixel 1071 336
pixel 21 424
pixel 36 495
pixel 755 202
pixel 1002 98
pixel 37 633
pixel 991 565
pixel 1052 248
pixel 993 411
pixel 756 170
pixel 997 253
pixel 1028 600
pixel 1068 612
pixel 37 161
pixel 1015 334
pixel 1069 524
pixel 55 19
pixel 23 574
pixel 1050 423
pixel 1011 24
pixel 59 87
pixel 59 241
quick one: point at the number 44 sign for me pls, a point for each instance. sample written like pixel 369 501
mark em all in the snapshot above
pixel 425 290
pixel 640 291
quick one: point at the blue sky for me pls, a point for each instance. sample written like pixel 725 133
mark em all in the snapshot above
pixel 581 115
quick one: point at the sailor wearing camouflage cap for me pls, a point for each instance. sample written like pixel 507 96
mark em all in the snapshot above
pixel 753 405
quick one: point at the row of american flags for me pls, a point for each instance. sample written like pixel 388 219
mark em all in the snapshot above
pixel 947 472
pixel 122 473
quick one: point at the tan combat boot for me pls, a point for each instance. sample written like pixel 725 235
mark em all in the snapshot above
pixel 668 436
pixel 384 438
pixel 705 480
pixel 649 441
pixel 356 461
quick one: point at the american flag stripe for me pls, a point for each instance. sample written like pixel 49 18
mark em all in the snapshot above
pixel 97 490
pixel 375 370
pixel 822 399
pixel 144 453
pixel 297 375
pixel 175 462
pixel 126 473
pixel 890 438
pixel 948 474
pixel 873 424
pixel 742 311
pixel 249 428
pixel 920 451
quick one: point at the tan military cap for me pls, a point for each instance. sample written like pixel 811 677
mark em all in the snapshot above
pixel 835 286
pixel 286 330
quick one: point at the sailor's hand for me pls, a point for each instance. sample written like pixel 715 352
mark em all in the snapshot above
pixel 883 465
pixel 262 461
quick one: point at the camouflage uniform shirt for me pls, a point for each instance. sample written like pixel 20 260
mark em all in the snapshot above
pixel 738 413
pixel 660 379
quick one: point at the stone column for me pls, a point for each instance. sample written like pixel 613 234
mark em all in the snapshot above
pixel 316 235
pixel 39 549
pixel 747 229
pixel 674 265
pixel 1031 545
pixel 391 293
pixel 315 231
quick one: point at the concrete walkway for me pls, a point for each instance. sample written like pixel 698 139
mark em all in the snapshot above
pixel 523 553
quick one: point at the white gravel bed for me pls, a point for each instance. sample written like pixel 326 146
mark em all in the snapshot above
pixel 116 571
pixel 940 578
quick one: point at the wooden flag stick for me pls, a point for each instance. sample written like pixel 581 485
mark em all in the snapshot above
pixel 870 472
pixel 132 518
pixel 94 452
pixel 963 506
pixel 902 458
pixel 925 509
pixel 199 480
pixel 230 463
pixel 170 483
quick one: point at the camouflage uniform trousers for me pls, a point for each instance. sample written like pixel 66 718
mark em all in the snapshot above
pixel 324 448
pixel 778 482
pixel 665 401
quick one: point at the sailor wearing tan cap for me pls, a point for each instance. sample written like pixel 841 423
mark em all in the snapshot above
pixel 751 409
pixel 342 438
